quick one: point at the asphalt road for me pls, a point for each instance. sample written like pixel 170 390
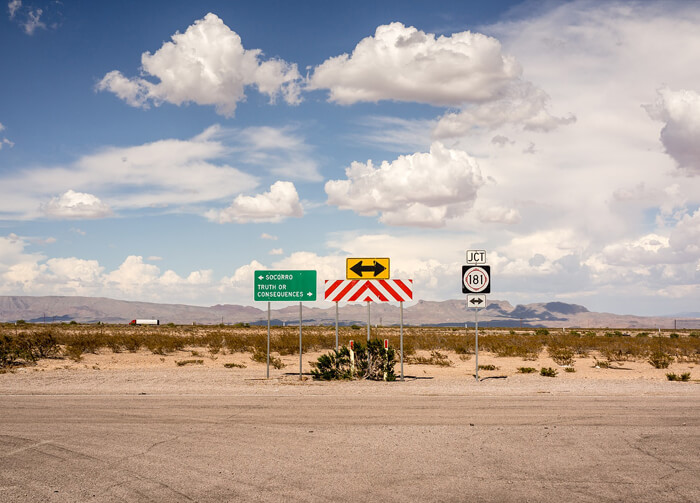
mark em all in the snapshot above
pixel 340 448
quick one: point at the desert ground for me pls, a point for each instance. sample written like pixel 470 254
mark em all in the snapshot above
pixel 138 426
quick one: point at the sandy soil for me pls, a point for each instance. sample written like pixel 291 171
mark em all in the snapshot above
pixel 146 373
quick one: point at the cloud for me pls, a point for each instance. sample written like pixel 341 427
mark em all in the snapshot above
pixel 13 6
pixel 135 277
pixel 31 19
pixel 282 201
pixel 405 64
pixel 680 111
pixel 278 150
pixel 465 70
pixel 206 65
pixel 499 214
pixel 5 141
pixel 76 205
pixel 522 104
pixel 422 189
pixel 277 251
pixel 164 173
pixel 265 235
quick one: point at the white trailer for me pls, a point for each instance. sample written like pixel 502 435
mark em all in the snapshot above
pixel 144 322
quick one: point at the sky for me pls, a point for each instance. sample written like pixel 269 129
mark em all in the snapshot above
pixel 163 151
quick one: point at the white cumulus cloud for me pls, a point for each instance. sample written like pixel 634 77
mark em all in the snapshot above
pixel 680 111
pixel 76 205
pixel 206 65
pixel 465 70
pixel 280 202
pixel 422 189
pixel 406 64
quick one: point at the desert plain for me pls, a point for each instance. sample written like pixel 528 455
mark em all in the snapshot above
pixel 204 423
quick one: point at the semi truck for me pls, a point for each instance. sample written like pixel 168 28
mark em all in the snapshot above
pixel 144 322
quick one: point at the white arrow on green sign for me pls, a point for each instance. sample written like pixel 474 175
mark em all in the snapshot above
pixel 285 286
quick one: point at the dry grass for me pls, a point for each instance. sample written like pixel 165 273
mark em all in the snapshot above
pixel 24 344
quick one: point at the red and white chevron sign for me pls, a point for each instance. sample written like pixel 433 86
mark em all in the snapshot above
pixel 376 290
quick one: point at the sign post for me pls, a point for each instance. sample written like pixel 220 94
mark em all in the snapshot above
pixel 476 282
pixel 284 286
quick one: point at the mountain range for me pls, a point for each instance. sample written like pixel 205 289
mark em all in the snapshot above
pixel 499 313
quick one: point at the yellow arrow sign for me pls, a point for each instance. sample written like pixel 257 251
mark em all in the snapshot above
pixel 367 268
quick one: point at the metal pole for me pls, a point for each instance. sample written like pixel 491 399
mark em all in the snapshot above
pixel 368 322
pixel 336 326
pixel 268 340
pixel 401 332
pixel 476 342
pixel 299 340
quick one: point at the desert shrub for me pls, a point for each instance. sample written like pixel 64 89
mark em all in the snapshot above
pixel 488 367
pixel 561 355
pixel 674 336
pixel 235 343
pixel 214 342
pixel 683 377
pixel 643 334
pixel 182 363
pixel 541 331
pixel 548 372
pixel 42 344
pixel 234 365
pixel 569 369
pixel 660 360
pixel 526 370
pixel 334 365
pixel 260 356
pixel 372 362
pixel 694 335
pixel 603 364
pixel 163 343
pixel 14 351
pixel 287 342
pixel 436 358
pixel 522 346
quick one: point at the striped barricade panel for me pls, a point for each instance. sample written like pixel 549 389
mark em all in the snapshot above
pixel 358 290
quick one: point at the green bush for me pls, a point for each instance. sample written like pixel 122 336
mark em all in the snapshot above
pixel 660 360
pixel 372 362
pixel 526 370
pixel 548 372
pixel 683 377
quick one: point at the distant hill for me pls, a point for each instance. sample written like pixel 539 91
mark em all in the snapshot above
pixel 447 313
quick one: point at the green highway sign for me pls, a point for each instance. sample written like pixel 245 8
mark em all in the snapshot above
pixel 285 286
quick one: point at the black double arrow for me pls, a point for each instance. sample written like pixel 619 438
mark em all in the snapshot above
pixel 360 269
pixel 476 300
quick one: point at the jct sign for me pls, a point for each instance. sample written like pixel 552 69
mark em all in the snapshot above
pixel 476 279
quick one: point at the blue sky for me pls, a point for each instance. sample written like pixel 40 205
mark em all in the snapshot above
pixel 163 151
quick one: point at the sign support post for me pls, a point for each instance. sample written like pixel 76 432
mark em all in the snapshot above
pixel 300 341
pixel 336 326
pixel 476 342
pixel 401 334
pixel 368 320
pixel 268 340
